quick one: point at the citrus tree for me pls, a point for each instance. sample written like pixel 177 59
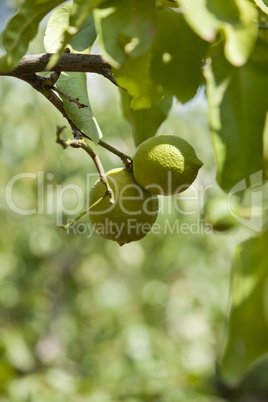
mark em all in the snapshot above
pixel 155 52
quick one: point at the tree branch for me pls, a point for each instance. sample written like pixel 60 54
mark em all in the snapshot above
pixel 80 143
pixel 89 63
pixel 30 65
pixel 38 83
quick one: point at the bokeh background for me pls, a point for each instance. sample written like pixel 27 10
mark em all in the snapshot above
pixel 83 319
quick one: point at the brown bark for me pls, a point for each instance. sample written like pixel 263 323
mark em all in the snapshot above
pixel 68 62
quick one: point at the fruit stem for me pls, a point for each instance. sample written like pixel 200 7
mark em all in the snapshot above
pixel 80 143
pixel 126 159
pixel 67 225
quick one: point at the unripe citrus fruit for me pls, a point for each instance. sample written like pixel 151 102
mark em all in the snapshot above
pixel 133 212
pixel 165 164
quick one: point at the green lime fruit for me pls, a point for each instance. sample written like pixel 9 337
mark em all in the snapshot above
pixel 133 212
pixel 165 164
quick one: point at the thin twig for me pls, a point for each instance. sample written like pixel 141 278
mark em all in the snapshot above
pixel 67 225
pixel 58 139
pixel 38 83
pixel 50 82
pixel 70 99
pixel 80 143
pixel 53 78
pixel 127 160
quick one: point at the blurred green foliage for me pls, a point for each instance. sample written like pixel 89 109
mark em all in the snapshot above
pixel 83 319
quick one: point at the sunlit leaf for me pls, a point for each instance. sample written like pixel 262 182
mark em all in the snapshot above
pixel 237 109
pixel 57 25
pixel 177 56
pixel 135 76
pixel 79 25
pixel 74 84
pixel 236 20
pixel 248 323
pixel 126 28
pixel 145 122
pixel 172 64
pixel 241 37
pixel 22 28
pixel 79 15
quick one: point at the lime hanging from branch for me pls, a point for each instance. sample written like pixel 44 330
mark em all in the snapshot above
pixel 165 164
pixel 133 212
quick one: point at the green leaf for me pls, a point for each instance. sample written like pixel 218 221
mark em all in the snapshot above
pixel 248 323
pixel 255 381
pixel 135 76
pixel 78 19
pixel 75 85
pixel 177 56
pixel 81 10
pixel 145 122
pixel 22 28
pixel 241 37
pixel 125 28
pixel 58 24
pixel 172 65
pixel 237 109
pixel 237 21
pixel 86 35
